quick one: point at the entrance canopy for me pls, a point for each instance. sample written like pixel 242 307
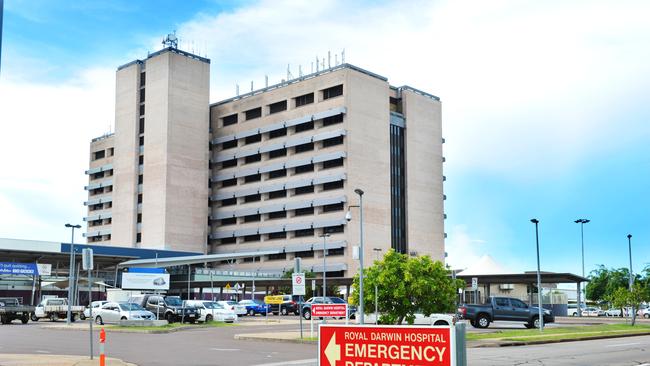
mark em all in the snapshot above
pixel 527 278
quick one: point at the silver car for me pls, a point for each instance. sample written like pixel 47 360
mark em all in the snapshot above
pixel 113 312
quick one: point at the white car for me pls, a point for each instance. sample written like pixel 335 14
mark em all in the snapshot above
pixel 591 311
pixel 240 310
pixel 210 310
pixel 645 312
pixel 420 319
pixel 95 305
pixel 114 312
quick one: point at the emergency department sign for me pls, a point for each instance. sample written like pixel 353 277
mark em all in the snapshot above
pixel 340 345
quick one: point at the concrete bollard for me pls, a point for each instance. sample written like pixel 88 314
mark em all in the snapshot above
pixel 461 345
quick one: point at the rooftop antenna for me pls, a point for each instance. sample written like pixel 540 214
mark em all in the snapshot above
pixel 336 59
pixel 343 56
pixel 237 89
pixel 171 40
pixel 266 81
pixel 251 85
pixel 329 60
pixel 317 63
pixel 323 64
pixel 289 75
pixel 299 71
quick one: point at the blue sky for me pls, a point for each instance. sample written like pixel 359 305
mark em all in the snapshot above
pixel 545 105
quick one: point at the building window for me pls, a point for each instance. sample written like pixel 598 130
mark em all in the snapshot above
pixel 277 153
pixel 229 182
pixel 143 78
pixel 333 185
pixel 141 141
pixel 229 202
pixel 138 237
pixel 99 154
pixel 253 178
pixel 305 126
pixel 337 251
pixel 334 229
pixel 140 198
pixel 278 173
pixel 395 104
pixel 398 188
pixel 253 158
pixel 279 256
pixel 141 159
pixel 253 218
pixel 333 141
pixel 303 233
pixel 229 163
pixel 278 107
pixel 303 169
pixel 333 163
pixel 278 133
pixel 333 120
pixel 232 240
pixel 332 92
pixel 139 218
pixel 111 151
pixel 333 207
pixel 277 215
pixel 304 99
pixel 277 194
pixel 253 198
pixel 97 175
pixel 305 254
pixel 228 221
pixel 304 211
pixel 248 238
pixel 304 190
pixel 253 139
pixel 253 113
pixel 142 95
pixel 140 179
pixel 304 147
pixel 229 145
pixel 141 129
pixel 141 109
pixel 229 120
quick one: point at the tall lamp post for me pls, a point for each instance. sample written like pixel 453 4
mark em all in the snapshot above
pixel 71 272
pixel 582 223
pixel 629 245
pixel 348 216
pixel 324 236
pixel 539 278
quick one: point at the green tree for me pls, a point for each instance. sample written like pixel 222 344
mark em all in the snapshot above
pixel 406 286
pixel 623 297
pixel 596 289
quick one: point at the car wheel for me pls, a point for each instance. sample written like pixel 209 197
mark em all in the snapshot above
pixel 4 319
pixel 82 316
pixel 483 321
pixel 440 322
pixel 574 314
pixel 647 316
pixel 99 320
pixel 307 314
pixel 169 317
pixel 251 312
pixel 73 318
pixel 208 318
pixel 54 317
pixel 25 318
pixel 296 312
pixel 284 311
pixel 535 322
pixel 123 318
pixel 34 317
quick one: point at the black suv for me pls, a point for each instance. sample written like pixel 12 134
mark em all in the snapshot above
pixel 169 308
pixel 289 305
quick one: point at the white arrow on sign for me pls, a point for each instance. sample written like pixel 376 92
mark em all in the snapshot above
pixel 333 351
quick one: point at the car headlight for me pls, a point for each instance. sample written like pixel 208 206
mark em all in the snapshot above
pixel 547 312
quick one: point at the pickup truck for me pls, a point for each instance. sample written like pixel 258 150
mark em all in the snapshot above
pixel 503 308
pixel 56 308
pixel 10 309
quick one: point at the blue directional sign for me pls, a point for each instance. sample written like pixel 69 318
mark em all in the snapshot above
pixel 9 268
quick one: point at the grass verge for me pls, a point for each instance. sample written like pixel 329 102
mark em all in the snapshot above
pixel 172 326
pixel 563 333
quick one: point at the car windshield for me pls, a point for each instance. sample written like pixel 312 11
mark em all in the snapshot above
pixel 337 300
pixel 173 301
pixel 131 307
pixel 212 305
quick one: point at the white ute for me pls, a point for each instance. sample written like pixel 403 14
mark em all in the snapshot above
pixel 55 309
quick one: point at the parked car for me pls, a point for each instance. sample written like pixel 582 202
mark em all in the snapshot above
pixel 210 310
pixel 255 306
pixel 169 308
pixel 644 312
pixel 114 312
pixel 11 308
pixel 572 310
pixel 593 311
pixel 91 311
pixel 56 308
pixel 503 308
pixel 289 305
pixel 240 310
pixel 306 307
pixel 613 312
pixel 420 319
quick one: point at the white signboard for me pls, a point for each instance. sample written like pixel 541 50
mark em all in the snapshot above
pixel 87 259
pixel 298 284
pixel 44 269
pixel 145 281
pixel 474 283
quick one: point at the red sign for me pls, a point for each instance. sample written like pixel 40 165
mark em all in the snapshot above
pixel 340 345
pixel 331 310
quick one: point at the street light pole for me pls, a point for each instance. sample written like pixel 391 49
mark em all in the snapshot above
pixel 629 245
pixel 582 223
pixel 324 236
pixel 71 272
pixel 539 278
pixel 361 310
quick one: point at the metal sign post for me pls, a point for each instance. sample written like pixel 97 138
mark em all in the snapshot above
pixel 87 263
pixel 296 291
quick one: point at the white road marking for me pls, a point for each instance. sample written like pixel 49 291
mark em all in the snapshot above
pixel 41 351
pixel 311 361
pixel 622 344
pixel 225 349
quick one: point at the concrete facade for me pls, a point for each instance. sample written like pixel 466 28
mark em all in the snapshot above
pixel 272 169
